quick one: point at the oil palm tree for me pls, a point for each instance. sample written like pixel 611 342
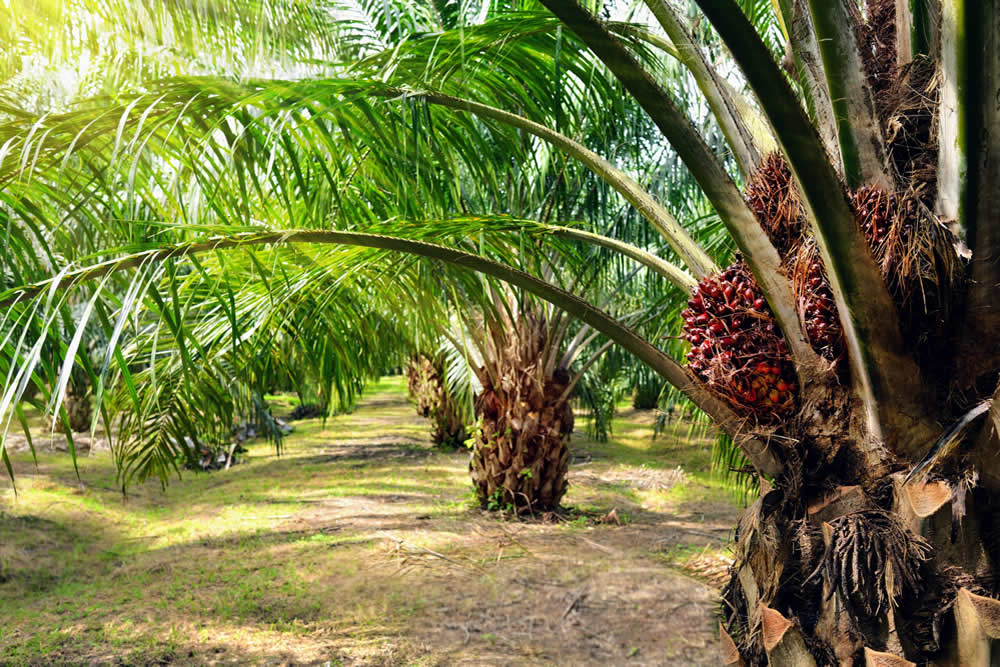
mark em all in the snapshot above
pixel 524 364
pixel 851 352
pixel 429 387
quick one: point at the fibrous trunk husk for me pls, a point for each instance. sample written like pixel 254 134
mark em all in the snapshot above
pixel 865 576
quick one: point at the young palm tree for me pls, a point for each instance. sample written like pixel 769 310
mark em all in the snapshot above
pixel 520 456
pixel 851 353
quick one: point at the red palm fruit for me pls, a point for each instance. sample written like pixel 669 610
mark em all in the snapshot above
pixel 816 303
pixel 741 357
pixel 875 210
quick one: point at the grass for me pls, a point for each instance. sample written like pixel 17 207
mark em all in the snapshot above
pixel 326 553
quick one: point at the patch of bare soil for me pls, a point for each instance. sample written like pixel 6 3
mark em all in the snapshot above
pixel 380 447
pixel 536 594
pixel 494 592
pixel 51 441
pixel 655 479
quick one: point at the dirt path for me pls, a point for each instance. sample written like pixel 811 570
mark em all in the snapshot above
pixel 360 546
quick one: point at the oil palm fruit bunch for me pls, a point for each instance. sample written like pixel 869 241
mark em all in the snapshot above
pixel 875 211
pixel 736 346
pixel 772 197
pixel 730 329
pixel 816 307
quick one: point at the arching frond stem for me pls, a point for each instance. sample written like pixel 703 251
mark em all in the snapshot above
pixel 710 83
pixel 670 370
pixel 811 74
pixel 674 274
pixel 862 146
pixel 690 252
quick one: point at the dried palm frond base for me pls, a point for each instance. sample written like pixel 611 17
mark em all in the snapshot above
pixel 711 567
pixel 772 197
pixel 852 576
pixel 917 257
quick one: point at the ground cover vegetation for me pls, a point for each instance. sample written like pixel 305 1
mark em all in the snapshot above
pixel 848 350
pixel 363 544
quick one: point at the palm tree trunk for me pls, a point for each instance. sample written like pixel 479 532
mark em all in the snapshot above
pixel 426 384
pixel 421 381
pixel 520 455
pixel 646 390
pixel 864 568
pixel 78 409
